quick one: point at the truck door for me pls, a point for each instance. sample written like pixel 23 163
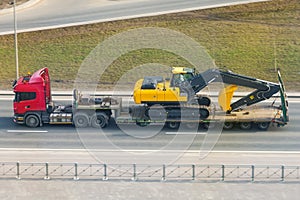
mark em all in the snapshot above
pixel 24 102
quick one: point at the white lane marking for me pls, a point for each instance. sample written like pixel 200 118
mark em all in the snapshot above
pixel 25 131
pixel 186 133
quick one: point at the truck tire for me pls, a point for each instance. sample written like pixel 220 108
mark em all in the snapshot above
pixel 80 120
pixel 173 125
pixel 263 126
pixel 32 121
pixel 246 125
pixel 228 125
pixel 99 120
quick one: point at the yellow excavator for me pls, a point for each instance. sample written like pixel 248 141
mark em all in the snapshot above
pixel 185 84
pixel 179 94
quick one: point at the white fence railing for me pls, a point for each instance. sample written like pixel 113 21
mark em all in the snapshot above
pixel 135 172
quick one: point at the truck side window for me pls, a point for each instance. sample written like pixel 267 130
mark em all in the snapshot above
pixel 24 96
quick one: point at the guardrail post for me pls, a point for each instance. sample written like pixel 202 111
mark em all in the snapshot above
pixel 223 172
pixel 47 172
pixel 163 178
pixel 134 178
pixel 18 170
pixel 282 173
pixel 252 173
pixel 105 172
pixel 76 172
pixel 193 172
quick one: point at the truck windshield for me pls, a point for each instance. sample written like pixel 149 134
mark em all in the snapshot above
pixel 24 96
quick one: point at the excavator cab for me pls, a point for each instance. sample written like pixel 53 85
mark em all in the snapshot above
pixel 181 75
pixel 156 90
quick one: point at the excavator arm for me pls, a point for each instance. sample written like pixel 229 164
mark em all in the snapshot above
pixel 263 89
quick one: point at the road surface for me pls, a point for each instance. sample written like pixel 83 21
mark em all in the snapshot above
pixel 54 13
pixel 66 144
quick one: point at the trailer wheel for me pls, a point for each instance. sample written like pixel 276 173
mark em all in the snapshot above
pixel 228 125
pixel 81 120
pixel 173 125
pixel 263 125
pixel 245 125
pixel 32 121
pixel 208 125
pixel 99 121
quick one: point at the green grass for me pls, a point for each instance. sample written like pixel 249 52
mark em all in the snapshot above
pixel 246 39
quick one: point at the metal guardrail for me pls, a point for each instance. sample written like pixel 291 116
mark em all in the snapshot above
pixel 134 172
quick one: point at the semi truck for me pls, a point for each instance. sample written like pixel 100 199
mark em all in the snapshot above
pixel 156 100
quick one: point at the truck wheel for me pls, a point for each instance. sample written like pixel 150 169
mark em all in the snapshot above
pixel 81 120
pixel 32 121
pixel 228 125
pixel 245 125
pixel 263 125
pixel 99 121
pixel 173 125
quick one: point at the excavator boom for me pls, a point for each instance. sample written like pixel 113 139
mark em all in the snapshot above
pixel 263 89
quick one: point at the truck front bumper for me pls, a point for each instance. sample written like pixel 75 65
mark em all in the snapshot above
pixel 18 119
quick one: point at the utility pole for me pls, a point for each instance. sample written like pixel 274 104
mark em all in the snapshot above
pixel 15 38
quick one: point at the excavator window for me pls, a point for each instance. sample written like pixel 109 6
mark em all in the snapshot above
pixel 180 78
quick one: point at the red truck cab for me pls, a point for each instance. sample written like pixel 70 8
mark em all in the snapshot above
pixel 32 98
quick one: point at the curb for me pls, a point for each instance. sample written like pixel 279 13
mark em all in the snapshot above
pixel 28 4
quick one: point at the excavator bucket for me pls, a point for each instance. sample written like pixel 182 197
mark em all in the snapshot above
pixel 225 96
pixel 283 97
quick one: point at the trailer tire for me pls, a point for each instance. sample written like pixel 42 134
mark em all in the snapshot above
pixel 208 125
pixel 263 126
pixel 173 125
pixel 32 121
pixel 99 121
pixel 228 125
pixel 246 125
pixel 81 120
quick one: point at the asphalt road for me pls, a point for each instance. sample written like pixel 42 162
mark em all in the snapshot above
pixel 54 13
pixel 65 143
